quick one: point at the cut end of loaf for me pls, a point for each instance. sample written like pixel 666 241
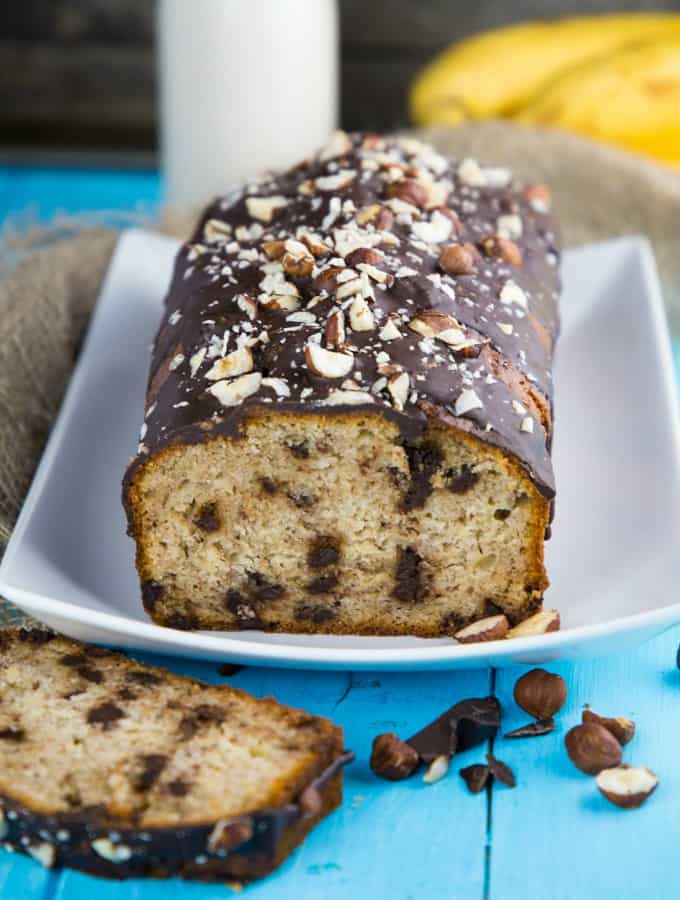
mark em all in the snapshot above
pixel 124 770
pixel 337 524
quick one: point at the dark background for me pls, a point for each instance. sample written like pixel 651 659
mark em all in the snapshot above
pixel 80 73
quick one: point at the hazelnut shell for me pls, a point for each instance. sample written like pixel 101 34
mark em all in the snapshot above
pixel 622 729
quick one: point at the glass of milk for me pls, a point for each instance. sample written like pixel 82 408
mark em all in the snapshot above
pixel 245 85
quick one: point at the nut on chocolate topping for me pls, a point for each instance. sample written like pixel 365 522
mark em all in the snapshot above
pixel 592 748
pixel 335 329
pixel 456 260
pixel 327 363
pixel 392 758
pixel 622 729
pixel 492 628
pixel 310 802
pixel 298 266
pixel 409 191
pixel 503 248
pixel 627 786
pixel 230 833
pixel 540 693
pixel 364 255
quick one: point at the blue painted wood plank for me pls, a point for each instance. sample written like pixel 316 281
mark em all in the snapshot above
pixel 40 193
pixel 23 879
pixel 554 835
pixel 399 841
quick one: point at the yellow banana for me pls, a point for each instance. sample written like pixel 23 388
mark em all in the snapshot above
pixel 631 99
pixel 498 72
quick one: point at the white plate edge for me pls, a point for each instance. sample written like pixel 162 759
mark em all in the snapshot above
pixel 326 657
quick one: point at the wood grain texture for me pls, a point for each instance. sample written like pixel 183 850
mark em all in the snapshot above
pixel 555 835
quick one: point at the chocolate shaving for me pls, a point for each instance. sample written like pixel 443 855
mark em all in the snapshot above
pixel 466 724
pixel 475 777
pixel 500 771
pixel 533 729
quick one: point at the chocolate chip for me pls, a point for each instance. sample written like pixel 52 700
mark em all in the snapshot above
pixel 182 622
pixel 207 712
pixel 491 608
pixel 500 771
pixel 139 676
pixel 126 694
pixel 423 462
pixel 188 727
pixel 203 714
pixel 323 584
pixel 227 669
pixel 268 486
pixel 302 501
pixel 244 611
pixel 502 514
pixel 453 621
pixel 90 674
pixel 152 592
pixel 533 729
pixel 101 653
pixel 307 612
pixel 36 636
pixel 409 584
pixel 73 660
pixel 105 715
pixel 323 552
pixel 475 777
pixel 458 482
pixel 208 518
pixel 178 787
pixel 150 767
pixel 262 589
pixel 12 734
pixel 301 450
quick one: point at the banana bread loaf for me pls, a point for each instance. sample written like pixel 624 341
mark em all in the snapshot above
pixel 122 770
pixel 349 410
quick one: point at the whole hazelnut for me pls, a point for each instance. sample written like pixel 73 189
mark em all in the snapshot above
pixel 456 260
pixel 410 191
pixel 592 748
pixel 540 693
pixel 392 758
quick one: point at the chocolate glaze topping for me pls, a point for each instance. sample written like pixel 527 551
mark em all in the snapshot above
pixel 333 288
pixel 92 840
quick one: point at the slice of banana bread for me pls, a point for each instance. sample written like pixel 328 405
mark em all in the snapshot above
pixel 121 770
pixel 349 408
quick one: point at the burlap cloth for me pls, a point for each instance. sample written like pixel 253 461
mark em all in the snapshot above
pixel 49 278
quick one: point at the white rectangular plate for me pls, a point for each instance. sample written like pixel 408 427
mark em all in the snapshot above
pixel 613 560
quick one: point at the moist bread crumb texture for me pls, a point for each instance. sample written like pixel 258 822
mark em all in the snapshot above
pixel 120 769
pixel 349 409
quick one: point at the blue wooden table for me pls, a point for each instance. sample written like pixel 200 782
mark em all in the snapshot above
pixel 553 836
